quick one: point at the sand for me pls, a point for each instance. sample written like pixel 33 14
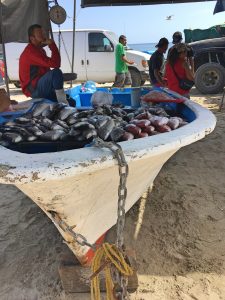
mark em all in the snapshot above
pixel 177 231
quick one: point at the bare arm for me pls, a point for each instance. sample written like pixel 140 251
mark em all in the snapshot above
pixel 188 71
pixel 159 77
pixel 126 60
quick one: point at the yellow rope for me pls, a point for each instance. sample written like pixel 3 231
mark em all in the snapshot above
pixel 107 252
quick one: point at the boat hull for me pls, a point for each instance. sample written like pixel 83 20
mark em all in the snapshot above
pixel 89 201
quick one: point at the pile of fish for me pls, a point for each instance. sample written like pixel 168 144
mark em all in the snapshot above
pixel 59 122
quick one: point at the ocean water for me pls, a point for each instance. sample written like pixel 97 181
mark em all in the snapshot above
pixel 145 47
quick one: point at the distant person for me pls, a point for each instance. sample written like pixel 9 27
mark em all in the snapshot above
pixel 123 76
pixel 156 63
pixel 36 77
pixel 178 68
pixel 177 38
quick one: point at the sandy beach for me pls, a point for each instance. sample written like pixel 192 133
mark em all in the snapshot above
pixel 177 230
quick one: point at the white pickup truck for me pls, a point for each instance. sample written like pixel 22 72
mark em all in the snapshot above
pixel 94 56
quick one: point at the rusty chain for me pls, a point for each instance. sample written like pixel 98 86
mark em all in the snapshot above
pixel 116 149
pixel 120 280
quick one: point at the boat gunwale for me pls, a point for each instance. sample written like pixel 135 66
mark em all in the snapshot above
pixel 21 168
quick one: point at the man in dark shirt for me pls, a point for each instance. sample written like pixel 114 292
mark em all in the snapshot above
pixel 156 62
pixel 40 75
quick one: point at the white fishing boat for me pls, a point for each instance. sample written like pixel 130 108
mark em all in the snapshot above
pixel 80 186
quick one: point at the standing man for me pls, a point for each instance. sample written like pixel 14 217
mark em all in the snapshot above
pixel 40 76
pixel 156 63
pixel 177 39
pixel 122 73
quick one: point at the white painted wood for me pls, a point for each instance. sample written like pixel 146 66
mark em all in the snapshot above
pixel 81 185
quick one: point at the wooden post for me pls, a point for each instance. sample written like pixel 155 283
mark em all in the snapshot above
pixel 76 279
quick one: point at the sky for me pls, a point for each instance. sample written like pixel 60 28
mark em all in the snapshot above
pixel 143 24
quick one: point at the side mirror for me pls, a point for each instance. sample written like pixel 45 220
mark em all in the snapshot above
pixel 108 48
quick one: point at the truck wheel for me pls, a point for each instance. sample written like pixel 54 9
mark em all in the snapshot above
pixel 142 82
pixel 136 77
pixel 17 84
pixel 210 78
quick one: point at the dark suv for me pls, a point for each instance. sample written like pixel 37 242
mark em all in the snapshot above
pixel 209 57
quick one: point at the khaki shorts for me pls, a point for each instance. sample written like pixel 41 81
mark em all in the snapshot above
pixel 122 79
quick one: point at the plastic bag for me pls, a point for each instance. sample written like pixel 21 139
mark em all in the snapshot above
pixel 89 86
pixel 100 98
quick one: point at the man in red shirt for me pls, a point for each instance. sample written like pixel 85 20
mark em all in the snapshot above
pixel 40 76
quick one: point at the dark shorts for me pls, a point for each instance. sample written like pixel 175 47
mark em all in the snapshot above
pixel 122 79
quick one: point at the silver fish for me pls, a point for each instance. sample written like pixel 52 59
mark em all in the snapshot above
pixel 89 133
pixel 63 124
pixel 52 135
pixel 35 130
pixel 104 131
pixel 46 122
pixel 66 112
pixel 41 107
pixel 56 126
pixel 12 137
pixel 75 132
pixel 82 125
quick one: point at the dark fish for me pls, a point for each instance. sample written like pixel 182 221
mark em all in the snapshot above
pixel 66 112
pixel 42 128
pixel 82 125
pixel 35 130
pixel 32 138
pixel 130 116
pixel 75 132
pixel 89 133
pixel 46 122
pixel 63 124
pixel 52 135
pixel 107 110
pixel 22 120
pixel 104 131
pixel 40 108
pixel 83 114
pixel 117 134
pixel 101 121
pixel 56 126
pixel 19 130
pixel 71 120
pixel 12 137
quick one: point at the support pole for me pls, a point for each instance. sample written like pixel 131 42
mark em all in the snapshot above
pixel 3 49
pixel 74 27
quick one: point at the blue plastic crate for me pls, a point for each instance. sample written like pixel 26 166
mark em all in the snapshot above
pixel 85 99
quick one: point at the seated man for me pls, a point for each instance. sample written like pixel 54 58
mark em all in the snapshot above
pixel 36 77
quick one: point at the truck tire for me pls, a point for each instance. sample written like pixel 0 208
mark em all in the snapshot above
pixel 136 77
pixel 142 82
pixel 210 78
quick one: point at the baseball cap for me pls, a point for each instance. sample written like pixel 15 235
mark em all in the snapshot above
pixel 162 42
pixel 177 37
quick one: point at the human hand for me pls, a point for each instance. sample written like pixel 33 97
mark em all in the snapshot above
pixel 131 62
pixel 47 42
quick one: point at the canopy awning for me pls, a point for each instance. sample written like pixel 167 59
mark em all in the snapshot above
pixel 18 15
pixel 90 3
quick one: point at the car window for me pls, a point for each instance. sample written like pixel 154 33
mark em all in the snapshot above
pixel 98 42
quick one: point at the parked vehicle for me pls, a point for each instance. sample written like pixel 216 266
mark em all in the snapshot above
pixel 94 56
pixel 209 58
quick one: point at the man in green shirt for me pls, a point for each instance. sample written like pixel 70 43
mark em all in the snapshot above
pixel 122 73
